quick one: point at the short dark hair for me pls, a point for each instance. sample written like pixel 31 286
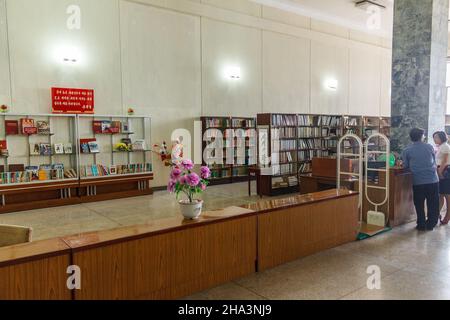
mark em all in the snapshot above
pixel 416 134
pixel 441 135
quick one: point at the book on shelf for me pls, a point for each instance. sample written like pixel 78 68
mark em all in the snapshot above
pixel 305 167
pixel 112 170
pixel 43 127
pixel 59 148
pixel 217 123
pixel 12 127
pixel 68 148
pixel 84 145
pixel 27 126
pixel 351 121
pixel 308 120
pixel 284 120
pixel 106 126
pixel 98 170
pixel 33 171
pixel 125 127
pixel 330 121
pixel 93 147
pixel 70 174
pixel 138 145
pixel 116 127
pixel 45 149
pixel 35 149
pixel 243 123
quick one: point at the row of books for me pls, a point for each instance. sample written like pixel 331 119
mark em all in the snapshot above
pixel 217 123
pixel 286 145
pixel 284 182
pixel 99 170
pixel 240 171
pixel 110 127
pixel 352 121
pixel 330 121
pixel 46 149
pixel 282 157
pixel 283 133
pixel 220 174
pixel 26 126
pixel 284 120
pixel 306 155
pixel 310 143
pixel 283 169
pixel 243 123
pixel 305 167
pixel 37 173
pixel 331 132
pixel 311 132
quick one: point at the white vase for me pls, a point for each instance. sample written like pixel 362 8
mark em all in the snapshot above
pixel 191 210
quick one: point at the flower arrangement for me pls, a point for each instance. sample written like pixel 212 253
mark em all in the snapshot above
pixel 184 180
pixel 130 111
pixel 121 147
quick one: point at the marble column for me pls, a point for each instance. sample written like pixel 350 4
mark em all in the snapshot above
pixel 419 59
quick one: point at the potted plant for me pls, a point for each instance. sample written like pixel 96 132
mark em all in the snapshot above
pixel 183 180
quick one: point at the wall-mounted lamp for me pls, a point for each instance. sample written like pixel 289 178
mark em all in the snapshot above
pixel 233 72
pixel 67 55
pixel 332 84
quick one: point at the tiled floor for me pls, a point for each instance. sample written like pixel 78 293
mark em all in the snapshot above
pixel 413 265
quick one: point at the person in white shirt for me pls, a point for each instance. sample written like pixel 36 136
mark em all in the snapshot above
pixel 443 162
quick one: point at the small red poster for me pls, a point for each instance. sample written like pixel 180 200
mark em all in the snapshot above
pixel 67 100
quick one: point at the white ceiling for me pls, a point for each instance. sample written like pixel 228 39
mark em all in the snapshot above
pixel 340 12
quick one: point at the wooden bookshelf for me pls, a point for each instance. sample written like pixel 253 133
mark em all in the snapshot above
pixel 240 150
pixel 281 131
pixel 33 177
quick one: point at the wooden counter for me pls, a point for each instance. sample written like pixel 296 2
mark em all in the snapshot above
pixel 166 259
pixel 297 226
pixel 401 204
pixel 172 258
pixel 35 271
pixel 310 183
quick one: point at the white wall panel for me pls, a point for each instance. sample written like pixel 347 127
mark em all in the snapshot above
pixel 5 96
pixel 226 45
pixel 39 38
pixel 329 63
pixel 365 81
pixel 161 69
pixel 386 82
pixel 286 73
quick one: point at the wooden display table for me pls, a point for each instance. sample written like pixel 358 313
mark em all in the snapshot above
pixel 171 258
pixel 35 271
pixel 297 226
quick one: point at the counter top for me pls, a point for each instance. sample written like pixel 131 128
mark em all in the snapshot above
pixel 155 227
pixel 298 200
pixel 52 247
pixel 32 251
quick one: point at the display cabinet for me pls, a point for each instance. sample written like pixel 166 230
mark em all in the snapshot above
pixel 114 156
pixel 39 163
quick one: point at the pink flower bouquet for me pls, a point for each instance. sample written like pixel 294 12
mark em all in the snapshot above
pixel 184 180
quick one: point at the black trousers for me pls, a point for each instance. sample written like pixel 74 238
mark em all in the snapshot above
pixel 430 193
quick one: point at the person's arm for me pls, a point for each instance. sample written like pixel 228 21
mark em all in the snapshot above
pixel 405 159
pixel 443 166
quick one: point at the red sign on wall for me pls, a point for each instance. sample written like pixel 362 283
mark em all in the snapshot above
pixel 67 100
